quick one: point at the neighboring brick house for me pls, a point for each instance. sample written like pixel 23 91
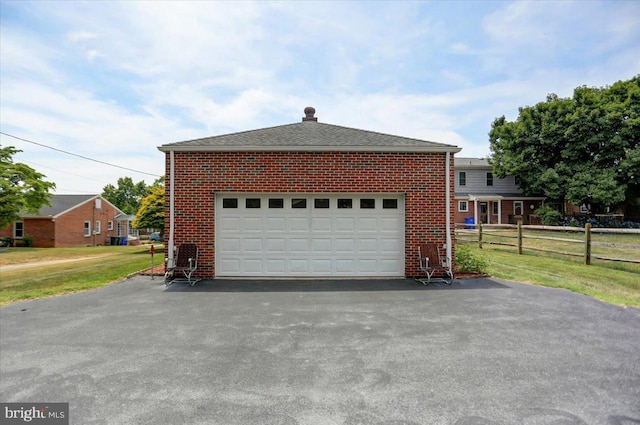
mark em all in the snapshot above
pixel 487 199
pixel 71 220
pixel 308 200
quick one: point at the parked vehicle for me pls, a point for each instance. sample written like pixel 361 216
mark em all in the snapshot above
pixel 156 237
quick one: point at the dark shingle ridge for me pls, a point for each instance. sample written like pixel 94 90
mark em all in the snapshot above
pixel 307 135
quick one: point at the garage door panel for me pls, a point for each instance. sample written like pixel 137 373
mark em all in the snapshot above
pixel 252 224
pixel 345 224
pixel 299 245
pixel 344 245
pixel 367 245
pixel 321 224
pixel 299 267
pixel 229 223
pixel 345 265
pixel 321 266
pixel 275 224
pixel 298 225
pixel 253 245
pixel 368 224
pixel 310 241
pixel 276 267
pixel 229 244
pixel 389 224
pixel 321 246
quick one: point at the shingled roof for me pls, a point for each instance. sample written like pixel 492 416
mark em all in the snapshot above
pixel 61 204
pixel 309 135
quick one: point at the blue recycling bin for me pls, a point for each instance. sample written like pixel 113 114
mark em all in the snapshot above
pixel 124 241
pixel 469 223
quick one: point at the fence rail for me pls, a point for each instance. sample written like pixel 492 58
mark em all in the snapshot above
pixel 503 234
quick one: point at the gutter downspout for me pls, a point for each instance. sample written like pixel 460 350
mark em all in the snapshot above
pixel 170 257
pixel 448 209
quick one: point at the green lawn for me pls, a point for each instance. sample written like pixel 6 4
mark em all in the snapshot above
pixel 613 282
pixel 95 267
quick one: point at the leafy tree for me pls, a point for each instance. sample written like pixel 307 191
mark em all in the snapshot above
pixel 127 195
pixel 22 189
pixel 584 149
pixel 151 212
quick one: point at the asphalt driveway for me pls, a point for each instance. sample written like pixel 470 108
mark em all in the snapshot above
pixel 325 352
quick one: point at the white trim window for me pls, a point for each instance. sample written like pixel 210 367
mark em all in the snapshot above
pixel 463 206
pixel 109 225
pixel 18 230
pixel 98 228
pixel 87 229
pixel 462 178
pixel 518 207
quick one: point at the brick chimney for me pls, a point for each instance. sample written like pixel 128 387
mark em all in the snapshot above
pixel 309 113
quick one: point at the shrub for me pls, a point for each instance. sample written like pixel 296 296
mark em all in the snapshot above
pixel 467 262
pixel 28 241
pixel 548 215
pixel 5 242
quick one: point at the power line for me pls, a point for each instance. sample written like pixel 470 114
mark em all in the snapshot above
pixel 62 171
pixel 79 156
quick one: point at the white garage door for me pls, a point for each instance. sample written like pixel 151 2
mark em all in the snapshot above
pixel 260 235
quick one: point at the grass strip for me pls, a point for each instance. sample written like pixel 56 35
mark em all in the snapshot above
pixel 56 279
pixel 611 282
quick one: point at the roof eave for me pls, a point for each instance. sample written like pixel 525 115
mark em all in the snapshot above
pixel 249 148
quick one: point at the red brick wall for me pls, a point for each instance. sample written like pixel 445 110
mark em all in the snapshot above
pixel 199 175
pixel 70 226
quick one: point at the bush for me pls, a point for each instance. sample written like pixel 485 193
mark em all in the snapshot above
pixel 467 262
pixel 5 242
pixel 548 215
pixel 28 241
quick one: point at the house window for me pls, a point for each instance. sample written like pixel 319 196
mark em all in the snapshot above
pixel 109 225
pixel 98 228
pixel 495 207
pixel 489 179
pixel 463 206
pixel 517 207
pixel 87 228
pixel 367 203
pixel 390 204
pixel 18 230
pixel 462 178
pixel 299 203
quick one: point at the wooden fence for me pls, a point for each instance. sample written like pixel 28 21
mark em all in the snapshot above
pixel 515 235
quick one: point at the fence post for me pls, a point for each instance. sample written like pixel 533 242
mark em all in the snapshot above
pixel 587 244
pixel 480 235
pixel 519 237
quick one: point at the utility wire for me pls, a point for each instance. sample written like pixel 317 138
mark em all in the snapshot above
pixel 79 156
pixel 61 171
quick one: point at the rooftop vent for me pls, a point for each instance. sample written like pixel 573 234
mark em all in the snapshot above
pixel 309 113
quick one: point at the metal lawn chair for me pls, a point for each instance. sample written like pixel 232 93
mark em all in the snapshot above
pixel 185 264
pixel 431 262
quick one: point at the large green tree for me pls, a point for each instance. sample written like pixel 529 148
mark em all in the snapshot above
pixel 127 195
pixel 584 149
pixel 22 189
pixel 151 212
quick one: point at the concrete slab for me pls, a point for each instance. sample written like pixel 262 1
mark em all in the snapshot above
pixel 482 351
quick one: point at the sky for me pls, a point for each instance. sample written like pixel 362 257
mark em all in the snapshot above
pixel 112 81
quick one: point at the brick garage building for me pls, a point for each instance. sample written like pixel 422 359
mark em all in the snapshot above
pixel 308 200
